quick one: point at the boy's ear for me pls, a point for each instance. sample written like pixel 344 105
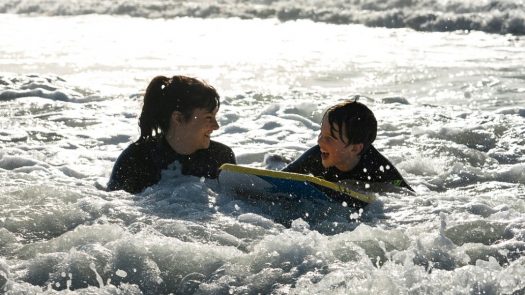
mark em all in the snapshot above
pixel 357 148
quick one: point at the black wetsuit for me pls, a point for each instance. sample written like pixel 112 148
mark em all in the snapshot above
pixel 141 163
pixel 372 168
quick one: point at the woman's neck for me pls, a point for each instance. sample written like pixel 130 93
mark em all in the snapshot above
pixel 177 144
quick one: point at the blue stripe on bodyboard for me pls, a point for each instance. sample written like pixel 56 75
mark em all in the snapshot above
pixel 294 188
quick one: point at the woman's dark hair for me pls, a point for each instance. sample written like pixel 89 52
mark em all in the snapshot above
pixel 166 95
pixel 356 120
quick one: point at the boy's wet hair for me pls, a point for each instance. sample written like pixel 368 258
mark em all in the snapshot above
pixel 166 95
pixel 354 121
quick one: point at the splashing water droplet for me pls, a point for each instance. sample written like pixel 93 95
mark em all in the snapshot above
pixel 121 273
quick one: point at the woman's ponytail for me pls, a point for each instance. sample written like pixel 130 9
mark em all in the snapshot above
pixel 153 105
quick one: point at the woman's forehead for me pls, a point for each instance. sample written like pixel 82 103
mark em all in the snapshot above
pixel 205 111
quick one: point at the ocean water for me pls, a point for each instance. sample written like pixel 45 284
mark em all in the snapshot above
pixel 449 103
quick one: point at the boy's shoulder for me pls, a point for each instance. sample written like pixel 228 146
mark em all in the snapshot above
pixel 376 163
pixel 379 169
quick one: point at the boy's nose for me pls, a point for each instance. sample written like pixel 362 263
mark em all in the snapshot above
pixel 320 139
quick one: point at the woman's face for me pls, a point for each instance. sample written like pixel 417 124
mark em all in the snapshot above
pixel 194 134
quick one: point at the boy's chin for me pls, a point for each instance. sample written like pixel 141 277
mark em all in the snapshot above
pixel 326 164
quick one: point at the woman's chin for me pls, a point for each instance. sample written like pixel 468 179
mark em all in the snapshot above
pixel 206 143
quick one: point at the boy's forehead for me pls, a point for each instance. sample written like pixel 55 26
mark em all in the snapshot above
pixel 326 123
pixel 335 126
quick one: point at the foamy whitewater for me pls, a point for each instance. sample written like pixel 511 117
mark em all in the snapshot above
pixel 450 107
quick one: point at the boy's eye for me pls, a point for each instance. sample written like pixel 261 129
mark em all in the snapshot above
pixel 325 137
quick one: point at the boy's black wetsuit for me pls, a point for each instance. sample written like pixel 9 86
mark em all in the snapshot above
pixel 372 168
pixel 141 163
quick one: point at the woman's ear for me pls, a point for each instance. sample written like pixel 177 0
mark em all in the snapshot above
pixel 177 118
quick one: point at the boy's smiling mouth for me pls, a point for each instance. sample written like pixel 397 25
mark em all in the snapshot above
pixel 324 154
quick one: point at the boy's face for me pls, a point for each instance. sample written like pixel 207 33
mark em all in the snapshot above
pixel 334 150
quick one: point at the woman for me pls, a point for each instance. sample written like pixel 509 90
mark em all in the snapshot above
pixel 177 119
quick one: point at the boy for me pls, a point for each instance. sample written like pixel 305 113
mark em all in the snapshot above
pixel 345 150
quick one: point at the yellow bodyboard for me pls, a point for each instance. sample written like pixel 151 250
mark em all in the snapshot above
pixel 279 181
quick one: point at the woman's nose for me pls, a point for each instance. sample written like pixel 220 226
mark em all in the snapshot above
pixel 215 124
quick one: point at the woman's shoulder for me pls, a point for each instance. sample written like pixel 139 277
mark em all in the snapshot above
pixel 218 152
pixel 140 149
pixel 133 169
pixel 216 146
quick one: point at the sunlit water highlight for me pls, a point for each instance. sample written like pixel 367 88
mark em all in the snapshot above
pixel 451 118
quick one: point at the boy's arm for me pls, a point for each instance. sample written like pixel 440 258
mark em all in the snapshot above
pixel 308 163
pixel 401 183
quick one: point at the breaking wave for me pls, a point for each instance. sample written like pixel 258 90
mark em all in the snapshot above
pixel 494 16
